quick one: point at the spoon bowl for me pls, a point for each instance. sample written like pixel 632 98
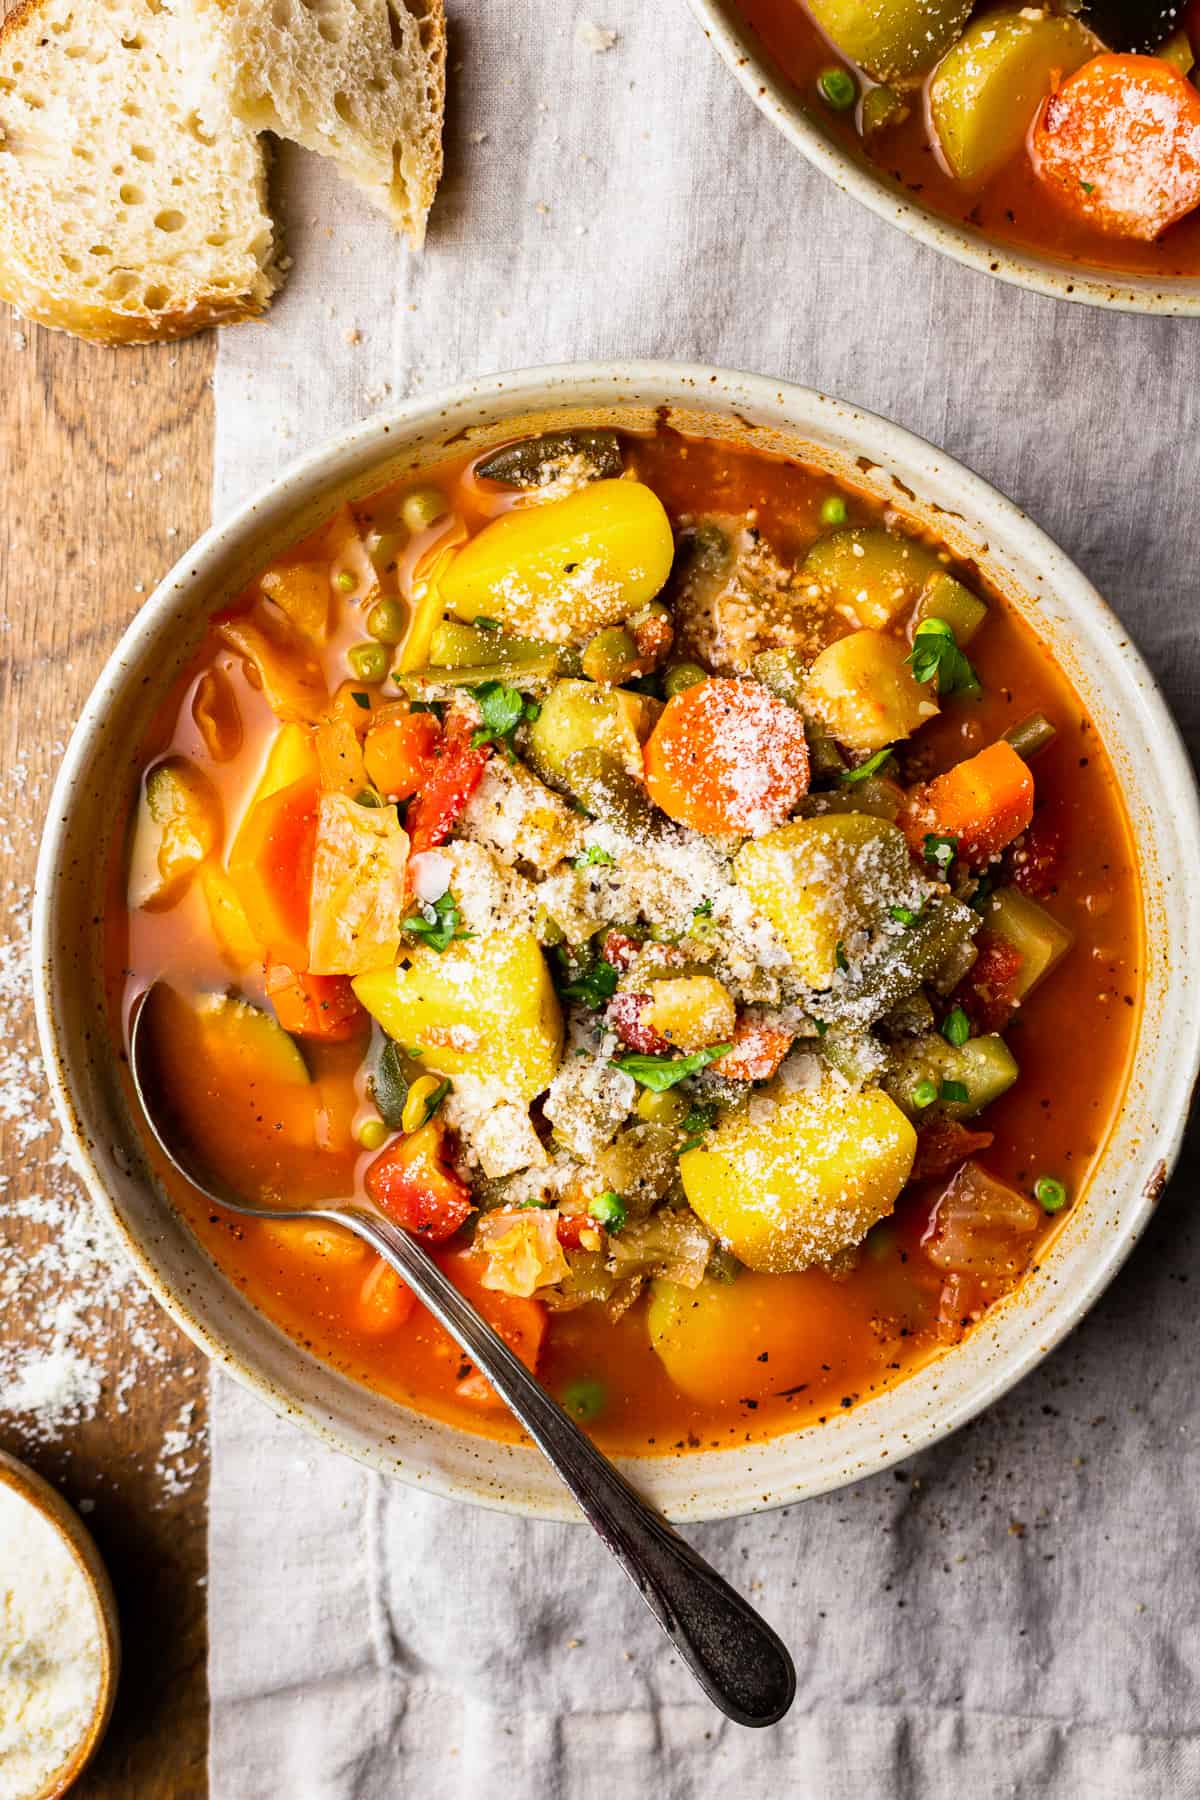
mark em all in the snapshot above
pixel 738 1660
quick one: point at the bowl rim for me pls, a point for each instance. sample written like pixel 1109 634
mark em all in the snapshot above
pixel 1086 284
pixel 795 409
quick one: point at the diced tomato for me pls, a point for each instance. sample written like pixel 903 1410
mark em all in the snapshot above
pixel 984 803
pixel 314 1006
pixel 520 1322
pixel 619 949
pixel 411 1182
pixel 757 1052
pixel 625 1016
pixel 988 992
pixel 571 1228
pixel 943 1145
pixel 453 772
pixel 384 1301
pixel 727 757
pixel 1037 856
pixel 399 750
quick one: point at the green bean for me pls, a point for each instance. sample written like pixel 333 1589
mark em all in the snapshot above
pixel 1031 735
pixel 785 673
pixel 607 790
pixel 611 656
pixel 530 463
pixel 523 674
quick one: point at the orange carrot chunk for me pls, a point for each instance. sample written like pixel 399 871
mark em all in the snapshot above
pixel 1119 144
pixel 983 803
pixel 727 757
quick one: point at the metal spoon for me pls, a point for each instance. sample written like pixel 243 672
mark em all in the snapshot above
pixel 733 1653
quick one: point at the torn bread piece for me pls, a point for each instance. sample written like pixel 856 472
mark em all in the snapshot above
pixel 360 81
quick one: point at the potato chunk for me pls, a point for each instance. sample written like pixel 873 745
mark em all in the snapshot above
pixel 806 1183
pixel 691 1012
pixel 484 1006
pixel 863 692
pixel 564 569
pixel 822 881
pixel 986 90
pixel 732 1340
pixel 892 38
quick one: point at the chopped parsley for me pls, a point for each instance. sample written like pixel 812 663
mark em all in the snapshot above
pixel 360 699
pixel 940 851
pixel 954 1092
pixel 592 857
pixel 434 1100
pixel 703 911
pixel 822 1026
pixel 436 924
pixel 699 1121
pixel 503 708
pixel 839 957
pixel 904 915
pixel 658 1073
pixel 956 1027
pixel 482 624
pixel 936 657
pixel 982 894
pixel 872 766
pixel 592 986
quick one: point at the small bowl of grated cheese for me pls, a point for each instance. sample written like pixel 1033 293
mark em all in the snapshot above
pixel 59 1650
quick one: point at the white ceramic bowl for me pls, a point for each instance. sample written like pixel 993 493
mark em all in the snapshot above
pixel 776 96
pixel 922 483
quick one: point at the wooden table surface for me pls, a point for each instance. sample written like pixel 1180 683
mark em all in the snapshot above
pixel 105 459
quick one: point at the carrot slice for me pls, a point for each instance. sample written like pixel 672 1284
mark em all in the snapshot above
pixel 1119 144
pixel 983 803
pixel 520 1322
pixel 727 757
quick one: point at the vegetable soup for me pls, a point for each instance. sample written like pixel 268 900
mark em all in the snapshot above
pixel 1068 128
pixel 677 890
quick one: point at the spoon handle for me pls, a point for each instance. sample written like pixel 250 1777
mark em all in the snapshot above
pixel 733 1653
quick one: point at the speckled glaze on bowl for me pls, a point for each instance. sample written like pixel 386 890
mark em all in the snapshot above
pixel 925 486
pixel 778 97
pixel 66 1521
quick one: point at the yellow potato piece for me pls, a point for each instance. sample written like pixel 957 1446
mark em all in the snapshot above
pixel 892 38
pixel 820 881
pixel 759 1334
pixel 564 569
pixel 806 1183
pixel 484 1006
pixel 862 690
pixel 291 758
pixel 691 1011
pixel 227 916
pixel 987 89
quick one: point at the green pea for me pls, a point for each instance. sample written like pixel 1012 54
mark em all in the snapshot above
pixel 924 1093
pixel 608 1210
pixel 1050 1194
pixel 370 662
pixel 423 507
pixel 611 656
pixel 584 1399
pixel 345 582
pixel 386 621
pixel 681 676
pixel 838 89
pixel 372 1134
pixel 833 511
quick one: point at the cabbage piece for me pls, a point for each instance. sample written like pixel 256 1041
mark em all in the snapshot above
pixel 357 890
pixel 523 1251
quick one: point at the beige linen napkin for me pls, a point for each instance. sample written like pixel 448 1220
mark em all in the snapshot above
pixel 1015 1612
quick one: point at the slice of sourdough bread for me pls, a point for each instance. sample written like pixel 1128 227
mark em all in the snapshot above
pixel 361 81
pixel 123 217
